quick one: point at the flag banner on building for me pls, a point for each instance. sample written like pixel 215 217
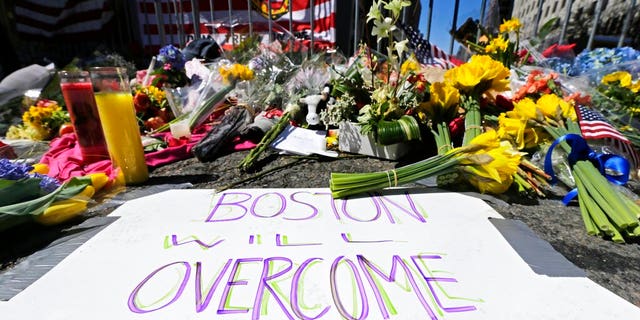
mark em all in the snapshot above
pixel 40 19
pixel 594 126
pixel 176 19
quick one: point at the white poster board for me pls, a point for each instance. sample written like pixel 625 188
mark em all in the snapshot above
pixel 299 254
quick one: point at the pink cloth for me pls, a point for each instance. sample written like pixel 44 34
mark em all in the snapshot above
pixel 65 159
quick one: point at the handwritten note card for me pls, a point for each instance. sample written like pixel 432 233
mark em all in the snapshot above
pixel 299 254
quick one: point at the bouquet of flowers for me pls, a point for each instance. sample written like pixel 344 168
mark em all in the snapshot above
pixel 395 87
pixel 40 122
pixel 152 108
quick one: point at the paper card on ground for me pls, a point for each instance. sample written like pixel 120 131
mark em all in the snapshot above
pixel 298 253
pixel 303 141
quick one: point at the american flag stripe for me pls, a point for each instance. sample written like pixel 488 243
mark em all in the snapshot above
pixel 324 20
pixel 597 130
pixel 594 126
pixel 428 53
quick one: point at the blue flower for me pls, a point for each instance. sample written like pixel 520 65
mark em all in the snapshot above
pixel 13 171
pixel 588 61
pixel 16 171
pixel 47 184
pixel 172 56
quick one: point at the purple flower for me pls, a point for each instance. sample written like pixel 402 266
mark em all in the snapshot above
pixel 172 56
pixel 13 171
pixel 47 184
pixel 16 171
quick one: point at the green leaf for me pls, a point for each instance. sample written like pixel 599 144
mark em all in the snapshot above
pixel 37 206
pixel 205 108
pixel 15 191
pixel 5 183
pixel 547 27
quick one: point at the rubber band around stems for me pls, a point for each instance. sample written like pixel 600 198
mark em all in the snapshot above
pixel 395 178
pixel 472 127
pixel 444 146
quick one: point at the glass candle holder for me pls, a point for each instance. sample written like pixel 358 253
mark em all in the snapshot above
pixel 118 118
pixel 78 96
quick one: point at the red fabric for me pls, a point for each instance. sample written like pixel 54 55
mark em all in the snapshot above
pixel 65 159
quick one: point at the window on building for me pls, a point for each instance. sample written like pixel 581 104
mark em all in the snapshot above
pixel 546 12
pixel 563 3
pixel 555 7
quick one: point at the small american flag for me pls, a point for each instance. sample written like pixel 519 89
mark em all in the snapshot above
pixel 594 126
pixel 427 53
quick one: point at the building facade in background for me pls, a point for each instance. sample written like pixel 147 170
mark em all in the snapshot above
pixel 535 13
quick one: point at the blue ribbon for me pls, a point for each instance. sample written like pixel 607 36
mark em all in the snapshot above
pixel 580 150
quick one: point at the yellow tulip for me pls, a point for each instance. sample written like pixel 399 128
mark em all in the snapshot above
pixel 40 168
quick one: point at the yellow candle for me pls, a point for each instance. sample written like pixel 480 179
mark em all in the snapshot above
pixel 122 134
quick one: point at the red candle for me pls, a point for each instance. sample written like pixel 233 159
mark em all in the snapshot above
pixel 81 104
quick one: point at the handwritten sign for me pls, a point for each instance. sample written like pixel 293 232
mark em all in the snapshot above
pixel 299 254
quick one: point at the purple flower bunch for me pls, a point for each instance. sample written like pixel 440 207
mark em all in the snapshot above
pixel 172 56
pixel 16 171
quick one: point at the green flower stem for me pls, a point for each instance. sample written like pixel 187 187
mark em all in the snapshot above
pixel 611 211
pixel 635 209
pixel 595 212
pixel 591 227
pixel 346 184
pixel 205 108
pixel 608 198
pixel 250 160
pixel 472 119
pixel 442 137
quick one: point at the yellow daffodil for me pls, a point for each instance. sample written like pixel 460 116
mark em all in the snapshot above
pixel 623 78
pixel 510 25
pixel 235 72
pixel 496 45
pixel 485 141
pixel 409 65
pixel 491 166
pixel 443 102
pixel 480 74
pixel 516 131
pixel 635 87
pixel 554 107
pixel 525 109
